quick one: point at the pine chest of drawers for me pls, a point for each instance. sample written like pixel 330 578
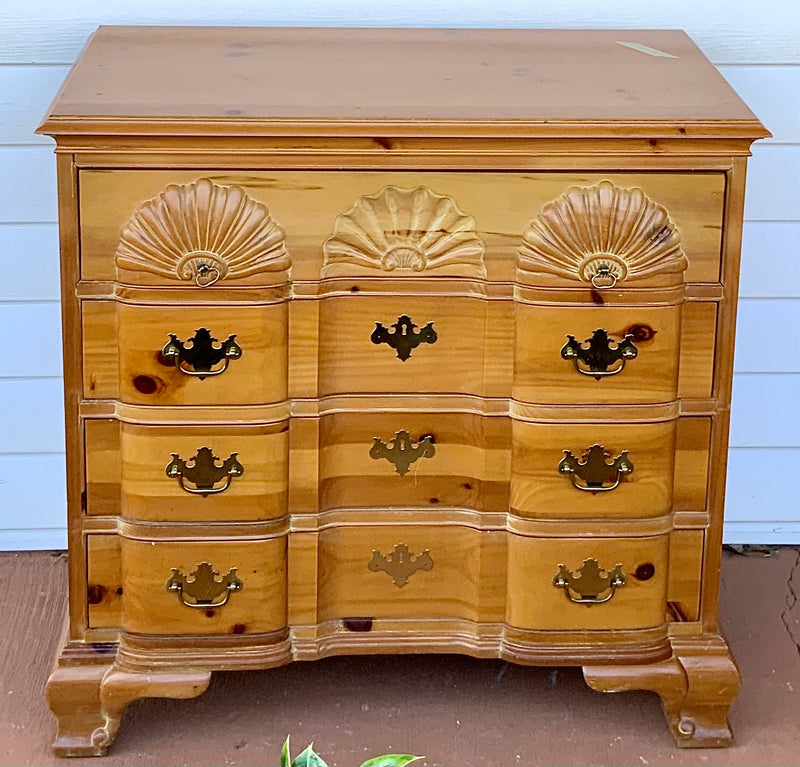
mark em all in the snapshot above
pixel 396 341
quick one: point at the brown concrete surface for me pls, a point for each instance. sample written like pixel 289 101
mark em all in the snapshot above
pixel 458 711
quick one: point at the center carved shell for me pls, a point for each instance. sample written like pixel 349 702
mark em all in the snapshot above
pixel 407 230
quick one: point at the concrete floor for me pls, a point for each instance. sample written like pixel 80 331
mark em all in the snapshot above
pixel 456 710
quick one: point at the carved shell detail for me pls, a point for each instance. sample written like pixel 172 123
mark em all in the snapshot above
pixel 602 229
pixel 203 232
pixel 405 230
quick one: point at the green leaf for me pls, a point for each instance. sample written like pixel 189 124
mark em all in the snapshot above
pixel 391 760
pixel 308 758
pixel 286 759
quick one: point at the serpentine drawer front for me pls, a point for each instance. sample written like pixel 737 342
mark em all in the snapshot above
pixel 440 362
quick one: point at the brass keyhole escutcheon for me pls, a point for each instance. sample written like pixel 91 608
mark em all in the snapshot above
pixel 404 337
pixel 401 451
pixel 400 563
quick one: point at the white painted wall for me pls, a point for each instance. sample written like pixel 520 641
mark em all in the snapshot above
pixel 755 47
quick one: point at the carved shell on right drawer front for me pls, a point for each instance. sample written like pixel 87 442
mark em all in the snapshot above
pixel 404 231
pixel 600 227
pixel 203 232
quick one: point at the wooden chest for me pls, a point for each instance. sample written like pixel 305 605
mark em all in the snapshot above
pixel 385 341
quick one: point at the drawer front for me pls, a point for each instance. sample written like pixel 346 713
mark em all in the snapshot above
pixel 204 595
pixel 388 459
pixel 231 473
pixel 602 355
pixel 410 571
pixel 306 204
pixel 596 594
pixel 399 344
pixel 186 355
pixel 547 483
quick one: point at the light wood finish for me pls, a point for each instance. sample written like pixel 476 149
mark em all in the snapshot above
pixel 537 488
pixel 451 588
pixel 697 686
pixel 258 608
pixel 105 588
pixel 455 75
pixel 258 377
pixel 449 186
pixel 469 467
pixel 685 574
pixel 533 602
pixel 306 204
pixel 259 493
pixel 542 375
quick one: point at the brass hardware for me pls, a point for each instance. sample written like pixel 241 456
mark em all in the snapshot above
pixel 403 339
pixel 594 469
pixel 202 586
pixel 205 275
pixel 402 452
pixel 204 471
pixel 401 564
pixel 604 278
pixel 599 355
pixel 202 355
pixel 590 582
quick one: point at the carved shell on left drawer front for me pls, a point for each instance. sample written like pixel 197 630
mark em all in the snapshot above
pixel 602 226
pixel 202 228
pixel 404 231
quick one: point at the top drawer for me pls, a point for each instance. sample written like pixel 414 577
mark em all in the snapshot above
pixel 180 227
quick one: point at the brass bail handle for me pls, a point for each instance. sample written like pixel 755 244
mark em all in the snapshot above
pixel 590 582
pixel 600 353
pixel 597 471
pixel 206 275
pixel 202 586
pixel 205 471
pixel 202 355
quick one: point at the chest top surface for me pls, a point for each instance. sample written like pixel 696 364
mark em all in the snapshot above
pixel 257 77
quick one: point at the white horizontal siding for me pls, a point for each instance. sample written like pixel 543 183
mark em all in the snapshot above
pixel 41 31
pixel 756 52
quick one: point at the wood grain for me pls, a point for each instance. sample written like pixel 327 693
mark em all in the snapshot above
pixel 259 607
pixel 259 493
pixel 533 602
pixel 542 376
pixel 452 588
pixel 106 588
pixel 538 490
pixel 306 205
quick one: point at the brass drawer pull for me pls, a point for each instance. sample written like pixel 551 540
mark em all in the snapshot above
pixel 204 471
pixel 202 586
pixel 597 470
pixel 202 355
pixel 402 452
pixel 590 582
pixel 401 564
pixel 404 338
pixel 599 355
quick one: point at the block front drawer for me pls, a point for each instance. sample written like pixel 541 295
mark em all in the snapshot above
pixel 390 459
pixel 585 470
pixel 212 586
pixel 410 571
pixel 609 354
pixel 205 473
pixel 185 354
pixel 587 583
